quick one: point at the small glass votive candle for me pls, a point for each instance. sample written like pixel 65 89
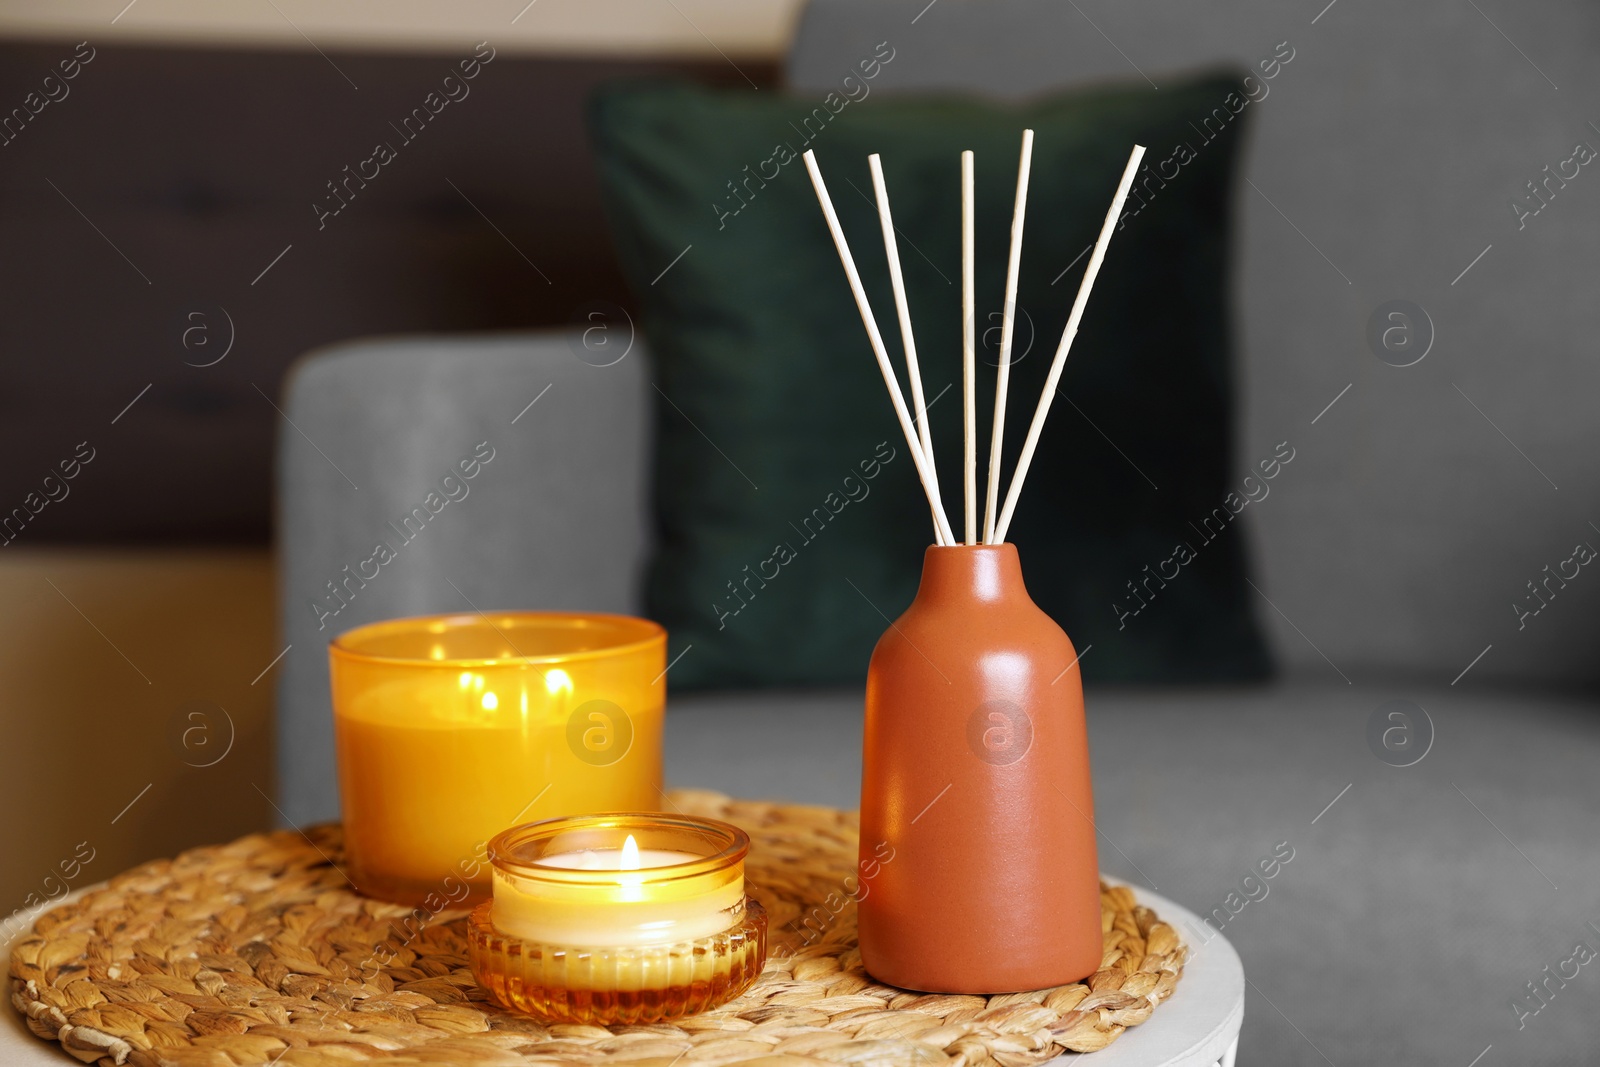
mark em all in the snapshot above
pixel 449 729
pixel 618 919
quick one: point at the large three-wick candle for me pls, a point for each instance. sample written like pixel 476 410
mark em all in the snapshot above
pixel 449 729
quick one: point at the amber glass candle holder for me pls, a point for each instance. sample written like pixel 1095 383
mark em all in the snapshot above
pixel 619 918
pixel 451 728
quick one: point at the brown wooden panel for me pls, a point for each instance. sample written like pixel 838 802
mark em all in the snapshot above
pixel 188 171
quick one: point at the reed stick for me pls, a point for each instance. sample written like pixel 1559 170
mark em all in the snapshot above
pixel 969 326
pixel 891 250
pixel 1007 330
pixel 1071 331
pixel 942 532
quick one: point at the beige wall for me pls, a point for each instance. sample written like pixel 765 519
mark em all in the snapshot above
pixel 705 28
pixel 101 655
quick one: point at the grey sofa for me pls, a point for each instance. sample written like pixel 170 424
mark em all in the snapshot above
pixel 1444 865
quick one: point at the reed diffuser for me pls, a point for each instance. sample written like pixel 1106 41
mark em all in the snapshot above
pixel 976 758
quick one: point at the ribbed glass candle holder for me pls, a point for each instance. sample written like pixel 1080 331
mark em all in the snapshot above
pixel 577 934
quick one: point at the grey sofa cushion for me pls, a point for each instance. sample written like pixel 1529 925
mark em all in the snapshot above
pixel 374 433
pixel 1405 923
pixel 1387 155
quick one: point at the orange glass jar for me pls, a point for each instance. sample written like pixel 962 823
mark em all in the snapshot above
pixel 451 728
pixel 625 918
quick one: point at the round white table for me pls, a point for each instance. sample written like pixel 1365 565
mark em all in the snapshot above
pixel 1198 1026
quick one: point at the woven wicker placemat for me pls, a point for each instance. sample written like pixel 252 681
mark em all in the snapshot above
pixel 259 952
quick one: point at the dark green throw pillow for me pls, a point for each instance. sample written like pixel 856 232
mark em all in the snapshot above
pixel 790 520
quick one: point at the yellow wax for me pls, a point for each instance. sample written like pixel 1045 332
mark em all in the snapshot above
pixel 611 859
pixel 639 899
pixel 436 759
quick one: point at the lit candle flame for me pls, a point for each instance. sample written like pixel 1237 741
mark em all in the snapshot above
pixel 557 681
pixel 630 854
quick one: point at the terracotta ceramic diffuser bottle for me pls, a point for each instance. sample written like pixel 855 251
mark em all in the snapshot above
pixel 978 867
pixel 976 778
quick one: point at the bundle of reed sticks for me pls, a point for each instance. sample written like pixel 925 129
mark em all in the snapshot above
pixel 918 437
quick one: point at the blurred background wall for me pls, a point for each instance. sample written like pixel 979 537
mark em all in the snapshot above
pixel 159 218
pixel 692 29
